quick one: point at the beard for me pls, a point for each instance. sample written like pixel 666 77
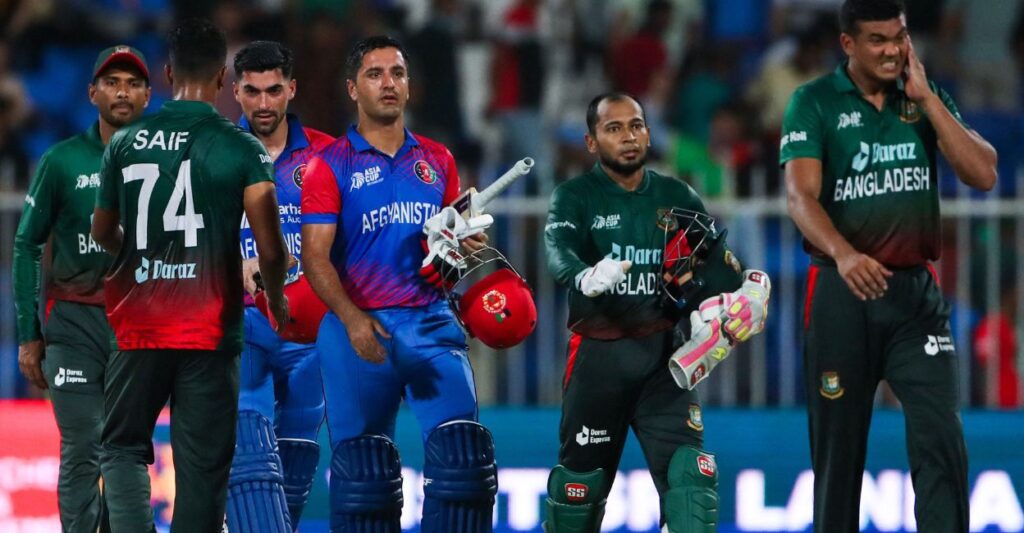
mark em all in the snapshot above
pixel 267 129
pixel 117 118
pixel 624 168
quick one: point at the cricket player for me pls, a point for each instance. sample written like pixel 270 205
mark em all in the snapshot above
pixel 68 352
pixel 389 335
pixel 612 237
pixel 281 403
pixel 859 147
pixel 173 187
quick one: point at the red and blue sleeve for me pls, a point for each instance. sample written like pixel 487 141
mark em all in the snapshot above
pixel 451 186
pixel 321 198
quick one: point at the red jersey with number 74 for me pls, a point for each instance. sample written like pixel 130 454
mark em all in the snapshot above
pixel 177 179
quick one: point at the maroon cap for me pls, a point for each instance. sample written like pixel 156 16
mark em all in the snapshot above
pixel 120 54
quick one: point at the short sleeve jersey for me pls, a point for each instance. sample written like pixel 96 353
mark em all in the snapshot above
pixel 591 217
pixel 879 185
pixel 289 168
pixel 177 179
pixel 59 204
pixel 379 204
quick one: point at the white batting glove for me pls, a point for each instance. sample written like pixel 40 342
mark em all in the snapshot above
pixel 708 346
pixel 601 277
pixel 444 263
pixel 448 224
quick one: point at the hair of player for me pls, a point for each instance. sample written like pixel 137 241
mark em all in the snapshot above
pixel 854 11
pixel 367 45
pixel 614 96
pixel 261 56
pixel 196 49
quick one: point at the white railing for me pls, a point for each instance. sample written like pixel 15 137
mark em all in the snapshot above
pixel 981 240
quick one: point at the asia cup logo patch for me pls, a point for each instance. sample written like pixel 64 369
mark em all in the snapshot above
pixel 494 303
pixel 576 492
pixel 424 172
pixel 696 420
pixel 706 465
pixel 297 175
pixel 830 385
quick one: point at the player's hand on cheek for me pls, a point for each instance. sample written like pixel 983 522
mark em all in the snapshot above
pixel 30 360
pixel 474 243
pixel 865 276
pixel 914 78
pixel 362 334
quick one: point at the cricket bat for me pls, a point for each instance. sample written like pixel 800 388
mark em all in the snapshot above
pixel 470 204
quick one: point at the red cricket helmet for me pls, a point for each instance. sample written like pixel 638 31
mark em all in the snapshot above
pixel 498 309
pixel 305 309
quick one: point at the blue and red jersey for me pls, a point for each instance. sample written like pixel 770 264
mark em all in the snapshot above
pixel 289 168
pixel 379 204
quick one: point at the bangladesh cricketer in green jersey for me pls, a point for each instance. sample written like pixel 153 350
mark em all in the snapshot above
pixel 177 182
pixel 68 351
pixel 859 148
pixel 638 251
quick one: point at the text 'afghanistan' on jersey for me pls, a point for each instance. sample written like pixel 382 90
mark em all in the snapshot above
pixel 177 179
pixel 379 204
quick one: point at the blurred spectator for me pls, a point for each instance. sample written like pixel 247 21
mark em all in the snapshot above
pixel 436 105
pixel 232 17
pixel 683 28
pixel 723 166
pixel 794 16
pixel 981 33
pixel 640 61
pixel 995 344
pixel 702 90
pixel 319 65
pixel 517 78
pixel 770 92
pixel 12 91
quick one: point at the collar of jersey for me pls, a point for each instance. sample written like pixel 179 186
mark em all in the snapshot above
pixel 93 134
pixel 611 186
pixel 362 145
pixel 296 140
pixel 842 82
pixel 189 106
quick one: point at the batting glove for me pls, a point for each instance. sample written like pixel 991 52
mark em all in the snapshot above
pixel 744 311
pixel 449 224
pixel 601 277
pixel 708 346
pixel 444 263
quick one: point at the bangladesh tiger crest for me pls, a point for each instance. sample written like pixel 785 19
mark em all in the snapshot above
pixel 666 220
pixel 830 387
pixel 910 112
pixel 424 172
pixel 297 175
pixel 696 420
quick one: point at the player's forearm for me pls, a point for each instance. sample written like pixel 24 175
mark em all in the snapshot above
pixel 273 269
pixel 971 156
pixel 327 286
pixel 564 265
pixel 812 220
pixel 26 273
pixel 106 230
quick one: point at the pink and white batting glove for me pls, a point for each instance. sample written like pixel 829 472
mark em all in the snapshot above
pixel 744 311
pixel 708 346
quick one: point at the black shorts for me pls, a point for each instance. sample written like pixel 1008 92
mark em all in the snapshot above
pixel 612 385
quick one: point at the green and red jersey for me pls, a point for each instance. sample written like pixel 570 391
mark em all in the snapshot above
pixel 591 217
pixel 879 184
pixel 59 204
pixel 177 179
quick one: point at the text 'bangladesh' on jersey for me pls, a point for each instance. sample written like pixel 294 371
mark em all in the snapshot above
pixel 379 204
pixel 591 217
pixel 289 170
pixel 59 204
pixel 177 179
pixel 879 184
